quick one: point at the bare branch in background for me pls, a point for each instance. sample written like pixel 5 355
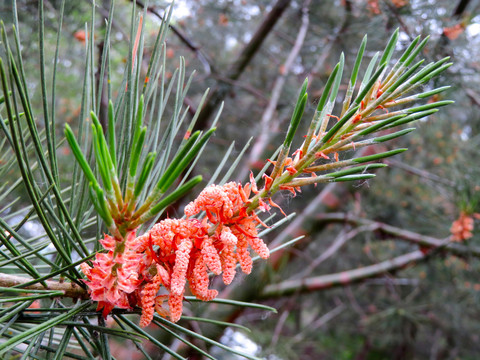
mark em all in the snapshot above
pixel 278 328
pixel 419 172
pixel 337 244
pixel 238 66
pixel 269 123
pixel 331 40
pixel 473 96
pixel 245 86
pixel 318 323
pixel 427 242
pixel 428 245
pixel 342 278
pixel 393 9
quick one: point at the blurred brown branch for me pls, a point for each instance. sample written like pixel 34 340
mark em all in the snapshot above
pixel 341 240
pixel 421 240
pixel 219 92
pixel 342 278
pixel 435 179
pixel 269 124
pixel 428 245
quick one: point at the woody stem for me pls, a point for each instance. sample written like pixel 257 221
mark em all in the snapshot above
pixel 69 289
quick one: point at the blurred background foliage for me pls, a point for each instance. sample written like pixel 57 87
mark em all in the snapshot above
pixel 428 309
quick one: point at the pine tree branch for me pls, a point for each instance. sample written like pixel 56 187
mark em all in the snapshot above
pixel 460 8
pixel 70 290
pixel 421 240
pixel 310 211
pixel 419 172
pixel 342 278
pixel 428 246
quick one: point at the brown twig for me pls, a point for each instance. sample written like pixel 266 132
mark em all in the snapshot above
pixel 419 172
pixel 342 278
pixel 421 240
pixel 70 290
pixel 428 246
pixel 341 239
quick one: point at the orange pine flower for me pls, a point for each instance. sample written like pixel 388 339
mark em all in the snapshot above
pixel 163 233
pixel 159 300
pixel 227 237
pixel 212 199
pixel 259 247
pixel 199 282
pixel 462 228
pixel 179 274
pixel 164 276
pixel 247 229
pixel 148 295
pixel 210 257
pixel 114 275
pixel 229 263
pixel 175 251
pixel 108 242
pixel 175 304
pixel 243 255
